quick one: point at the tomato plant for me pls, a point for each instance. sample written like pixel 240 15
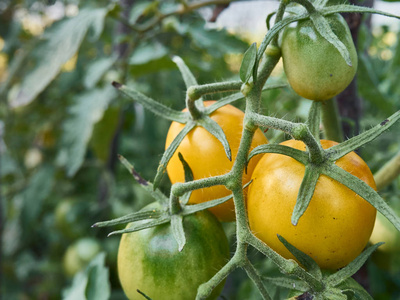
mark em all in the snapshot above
pixel 314 67
pixel 337 224
pixel 206 156
pixel 149 260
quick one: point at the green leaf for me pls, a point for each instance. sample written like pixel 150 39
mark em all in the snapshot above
pixel 96 70
pixel 248 62
pixel 298 155
pixel 171 150
pixel 352 144
pixel 152 105
pixel 92 283
pixel 39 188
pixel 187 75
pixel 146 185
pixel 142 225
pixel 178 231
pixel 85 112
pixel 133 217
pixel 310 265
pixel 368 85
pixel 212 127
pixel 354 290
pixel 306 192
pixel 324 29
pixel 188 177
pixel 344 273
pixel 190 209
pixel 343 8
pixel 98 287
pixel 58 45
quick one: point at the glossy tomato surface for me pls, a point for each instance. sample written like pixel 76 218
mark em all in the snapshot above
pixel 206 156
pixel 149 260
pixel 314 67
pixel 337 224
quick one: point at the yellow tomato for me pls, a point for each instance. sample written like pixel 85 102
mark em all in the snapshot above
pixel 206 156
pixel 337 224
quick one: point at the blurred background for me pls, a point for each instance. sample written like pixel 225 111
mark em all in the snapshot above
pixel 62 125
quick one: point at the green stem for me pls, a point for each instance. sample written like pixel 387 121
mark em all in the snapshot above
pixel 197 91
pixel 180 188
pixel 192 108
pixel 389 172
pixel 255 277
pixel 331 121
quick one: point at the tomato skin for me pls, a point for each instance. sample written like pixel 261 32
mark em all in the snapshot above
pixel 314 67
pixel 149 259
pixel 206 157
pixel 337 224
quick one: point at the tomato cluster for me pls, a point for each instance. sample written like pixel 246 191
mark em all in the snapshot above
pixel 206 157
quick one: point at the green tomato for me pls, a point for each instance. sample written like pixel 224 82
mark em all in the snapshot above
pixel 79 254
pixel 149 260
pixel 314 67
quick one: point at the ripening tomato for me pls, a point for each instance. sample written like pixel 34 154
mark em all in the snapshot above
pixel 206 156
pixel 337 224
pixel 314 67
pixel 149 259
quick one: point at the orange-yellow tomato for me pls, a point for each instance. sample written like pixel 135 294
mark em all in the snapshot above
pixel 206 156
pixel 337 224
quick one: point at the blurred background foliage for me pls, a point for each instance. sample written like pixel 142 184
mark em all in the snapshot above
pixel 62 126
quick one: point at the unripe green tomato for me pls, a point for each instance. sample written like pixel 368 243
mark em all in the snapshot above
pixel 79 254
pixel 314 67
pixel 149 259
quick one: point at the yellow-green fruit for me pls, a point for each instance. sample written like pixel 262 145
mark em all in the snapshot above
pixel 79 254
pixel 314 67
pixel 384 231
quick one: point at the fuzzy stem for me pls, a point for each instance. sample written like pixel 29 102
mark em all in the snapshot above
pixel 197 91
pixel 331 121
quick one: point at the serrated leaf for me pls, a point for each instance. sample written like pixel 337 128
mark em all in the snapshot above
pixel 142 225
pixel 146 185
pixel 60 42
pixel 310 265
pixel 178 231
pixel 248 63
pixel 133 217
pixel 152 105
pixel 85 112
pixel 306 192
pixel 324 29
pixel 171 150
pixel 213 127
pixel 340 150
